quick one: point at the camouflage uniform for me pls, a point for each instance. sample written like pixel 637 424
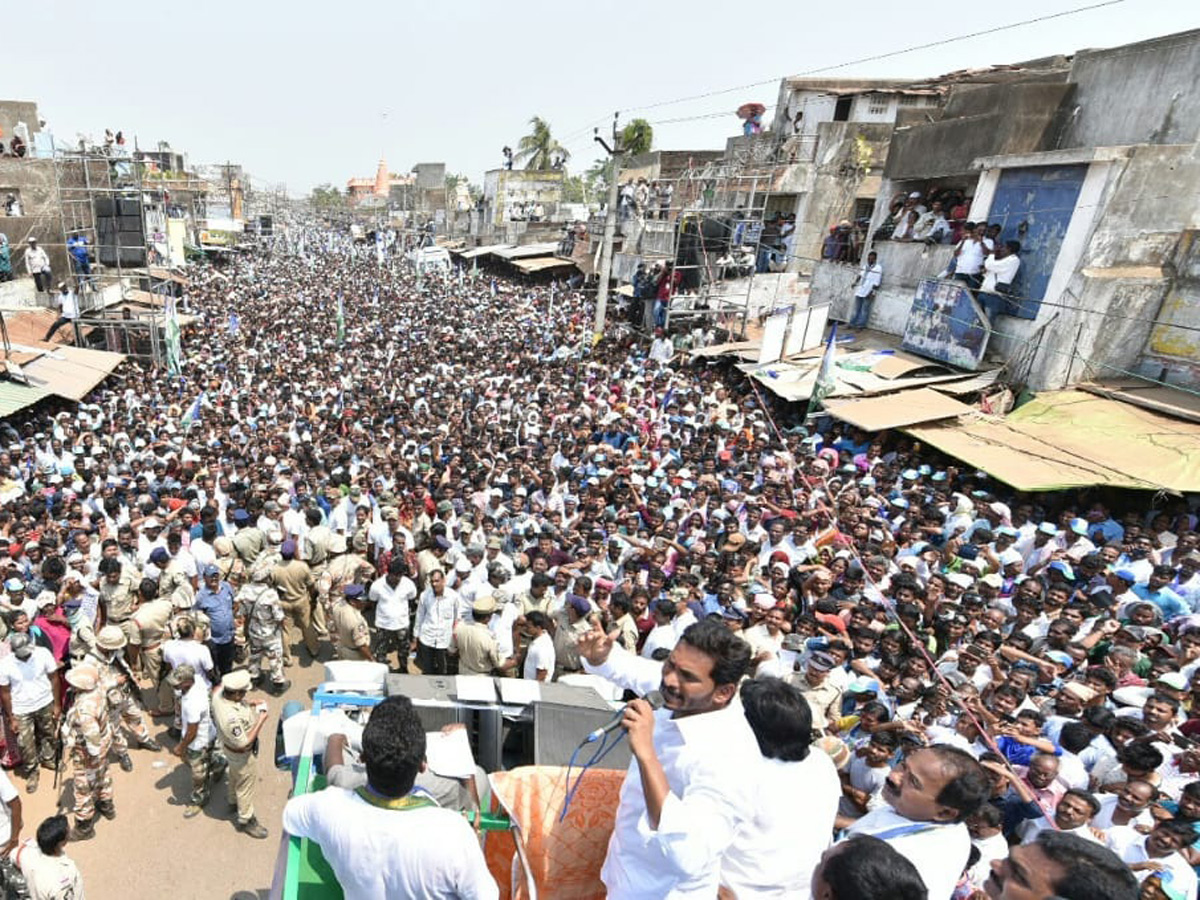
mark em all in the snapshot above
pixel 263 610
pixel 88 739
pixel 122 708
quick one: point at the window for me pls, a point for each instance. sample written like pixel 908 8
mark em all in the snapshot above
pixel 878 104
pixel 841 111
pixel 910 100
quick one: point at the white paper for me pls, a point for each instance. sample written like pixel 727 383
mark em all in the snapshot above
pixel 475 688
pixel 520 691
pixel 449 753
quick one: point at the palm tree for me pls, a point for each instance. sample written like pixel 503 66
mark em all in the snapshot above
pixel 637 137
pixel 539 150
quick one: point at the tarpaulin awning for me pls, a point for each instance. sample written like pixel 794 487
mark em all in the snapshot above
pixel 168 275
pixel 480 251
pixel 1072 439
pixel 745 349
pixel 895 410
pixel 15 397
pixel 71 372
pixel 527 250
pixel 542 263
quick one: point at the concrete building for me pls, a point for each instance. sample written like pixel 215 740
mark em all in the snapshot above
pixel 1091 164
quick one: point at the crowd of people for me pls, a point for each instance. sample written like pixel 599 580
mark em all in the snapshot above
pixel 882 674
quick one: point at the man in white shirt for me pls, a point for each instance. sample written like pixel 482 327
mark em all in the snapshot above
pixel 387 839
pixel 662 636
pixel 30 693
pixel 1157 854
pixel 869 280
pixel 685 795
pixel 195 747
pixel 929 794
pixel 539 659
pixel 68 309
pixel 999 270
pixel 436 613
pixel 775 853
pixel 391 595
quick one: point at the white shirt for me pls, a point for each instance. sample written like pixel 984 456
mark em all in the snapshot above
pixel 29 680
pixel 8 794
pixel 540 657
pixel 939 852
pixel 704 757
pixel 178 653
pixel 391 604
pixel 774 854
pixel 660 637
pixel 435 618
pixel 661 350
pixel 970 261
pixel 870 278
pixel 1001 271
pixel 193 710
pixel 411 854
pixel 1181 876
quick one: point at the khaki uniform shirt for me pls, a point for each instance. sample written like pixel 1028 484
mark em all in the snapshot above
pixel 248 543
pixel 121 598
pixel 824 700
pixel 351 629
pixel 151 619
pixel 294 581
pixel 233 722
pixel 316 545
pixel 478 652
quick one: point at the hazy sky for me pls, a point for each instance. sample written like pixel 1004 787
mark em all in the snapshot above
pixel 305 92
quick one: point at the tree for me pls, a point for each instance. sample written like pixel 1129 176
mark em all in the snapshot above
pixel 637 137
pixel 538 150
pixel 326 197
pixel 574 189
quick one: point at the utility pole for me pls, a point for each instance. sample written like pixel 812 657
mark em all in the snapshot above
pixel 610 228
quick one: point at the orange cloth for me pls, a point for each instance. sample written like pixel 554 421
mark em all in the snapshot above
pixel 565 857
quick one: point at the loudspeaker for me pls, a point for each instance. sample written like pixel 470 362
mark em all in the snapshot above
pixel 558 729
pixel 266 224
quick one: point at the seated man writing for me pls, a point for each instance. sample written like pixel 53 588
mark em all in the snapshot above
pixel 385 838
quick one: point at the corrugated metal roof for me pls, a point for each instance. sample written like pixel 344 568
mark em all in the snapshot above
pixel 541 263
pixel 15 397
pixel 527 250
pixel 71 372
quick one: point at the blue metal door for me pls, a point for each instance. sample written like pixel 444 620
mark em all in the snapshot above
pixel 1035 206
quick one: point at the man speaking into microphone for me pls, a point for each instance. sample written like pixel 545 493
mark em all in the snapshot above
pixel 684 796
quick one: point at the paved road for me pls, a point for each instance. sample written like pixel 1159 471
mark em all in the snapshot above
pixel 151 851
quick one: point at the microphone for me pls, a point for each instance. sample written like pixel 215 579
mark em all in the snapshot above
pixel 654 698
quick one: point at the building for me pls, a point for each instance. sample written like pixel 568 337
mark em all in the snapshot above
pixel 1091 164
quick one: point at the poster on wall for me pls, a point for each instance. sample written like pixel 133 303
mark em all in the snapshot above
pixel 947 324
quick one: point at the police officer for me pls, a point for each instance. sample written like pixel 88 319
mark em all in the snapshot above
pixel 262 608
pixel 350 627
pixel 108 658
pixel 478 649
pixel 238 725
pixel 87 735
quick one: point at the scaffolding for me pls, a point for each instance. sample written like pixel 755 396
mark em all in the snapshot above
pixel 712 232
pixel 115 217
